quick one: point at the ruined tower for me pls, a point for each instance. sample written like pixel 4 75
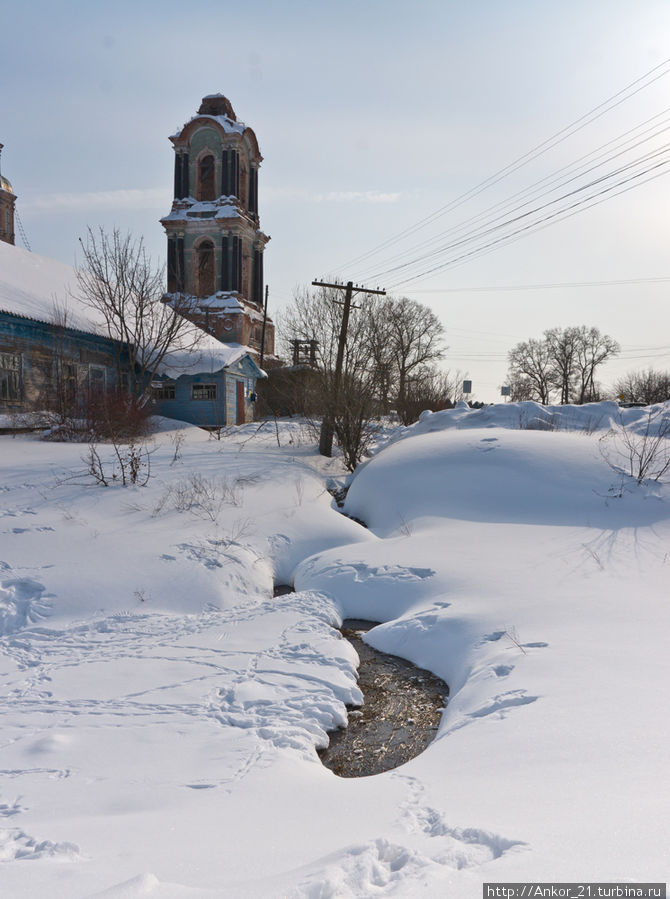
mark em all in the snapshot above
pixel 215 244
pixel 7 201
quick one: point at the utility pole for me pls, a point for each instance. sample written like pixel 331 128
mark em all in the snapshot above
pixel 328 423
pixel 265 318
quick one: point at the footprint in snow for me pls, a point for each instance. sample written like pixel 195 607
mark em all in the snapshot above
pixel 15 844
pixel 21 603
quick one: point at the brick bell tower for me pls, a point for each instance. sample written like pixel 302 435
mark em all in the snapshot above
pixel 7 202
pixel 215 244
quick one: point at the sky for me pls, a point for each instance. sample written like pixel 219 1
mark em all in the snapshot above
pixel 371 116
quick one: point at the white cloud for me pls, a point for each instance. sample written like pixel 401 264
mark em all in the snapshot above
pixel 160 198
pixel 273 194
pixel 141 198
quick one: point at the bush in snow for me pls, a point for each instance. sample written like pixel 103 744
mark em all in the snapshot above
pixel 642 453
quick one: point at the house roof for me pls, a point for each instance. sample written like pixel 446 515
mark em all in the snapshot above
pixel 43 290
pixel 209 357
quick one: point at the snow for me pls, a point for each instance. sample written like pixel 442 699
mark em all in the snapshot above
pixel 162 710
pixel 209 356
pixel 34 286
pixel 229 125
pixel 223 208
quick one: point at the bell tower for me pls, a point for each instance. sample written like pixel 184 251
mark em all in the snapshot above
pixel 215 244
pixel 7 201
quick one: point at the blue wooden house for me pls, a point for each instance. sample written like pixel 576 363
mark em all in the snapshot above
pixel 213 386
pixel 51 344
pixel 48 342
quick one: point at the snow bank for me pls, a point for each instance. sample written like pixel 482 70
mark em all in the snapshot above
pixel 162 710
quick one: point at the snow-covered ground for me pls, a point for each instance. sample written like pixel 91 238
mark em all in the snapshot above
pixel 161 710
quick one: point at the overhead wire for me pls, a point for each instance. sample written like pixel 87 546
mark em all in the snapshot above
pixel 563 134
pixel 537 187
pixel 538 223
pixel 495 223
pixel 559 284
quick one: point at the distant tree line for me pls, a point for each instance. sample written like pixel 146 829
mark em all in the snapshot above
pixel 561 366
pixel 646 387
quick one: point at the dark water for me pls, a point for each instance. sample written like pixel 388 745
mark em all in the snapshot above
pixel 399 717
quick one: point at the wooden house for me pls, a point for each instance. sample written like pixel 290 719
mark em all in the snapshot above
pixel 50 344
pixel 213 386
pixel 48 341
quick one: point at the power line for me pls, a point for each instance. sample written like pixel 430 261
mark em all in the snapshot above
pixel 495 224
pixel 587 118
pixel 543 187
pixel 553 286
pixel 538 225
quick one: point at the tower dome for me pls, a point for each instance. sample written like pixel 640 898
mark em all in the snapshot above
pixel 6 185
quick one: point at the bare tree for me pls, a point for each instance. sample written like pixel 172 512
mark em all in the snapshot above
pixel 562 346
pixel 316 315
pixel 646 387
pixel 530 371
pixel 414 340
pixel 391 348
pixel 119 281
pixel 593 348
pixel 431 388
pixel 563 363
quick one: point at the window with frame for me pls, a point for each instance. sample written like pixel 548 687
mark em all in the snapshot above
pixel 164 392
pixel 96 380
pixel 203 391
pixel 69 380
pixel 10 376
pixel 206 173
pixel 206 269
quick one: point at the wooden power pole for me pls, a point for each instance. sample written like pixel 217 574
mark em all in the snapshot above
pixel 328 423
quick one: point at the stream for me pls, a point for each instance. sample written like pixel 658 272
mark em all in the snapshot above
pixel 401 711
pixel 400 715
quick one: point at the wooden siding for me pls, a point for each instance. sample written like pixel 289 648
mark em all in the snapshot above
pixel 42 346
pixel 216 413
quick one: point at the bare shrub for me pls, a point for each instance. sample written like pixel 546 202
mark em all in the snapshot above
pixel 130 466
pixel 543 421
pixel 177 438
pixel 644 454
pixel 201 496
pixel 110 415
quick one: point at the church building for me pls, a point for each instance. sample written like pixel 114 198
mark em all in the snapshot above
pixel 215 243
pixel 7 201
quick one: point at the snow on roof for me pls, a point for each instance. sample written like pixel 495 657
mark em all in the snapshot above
pixel 34 287
pixel 210 356
pixel 228 125
pixel 187 207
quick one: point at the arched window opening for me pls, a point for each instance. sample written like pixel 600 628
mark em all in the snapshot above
pixel 206 269
pixel 206 187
